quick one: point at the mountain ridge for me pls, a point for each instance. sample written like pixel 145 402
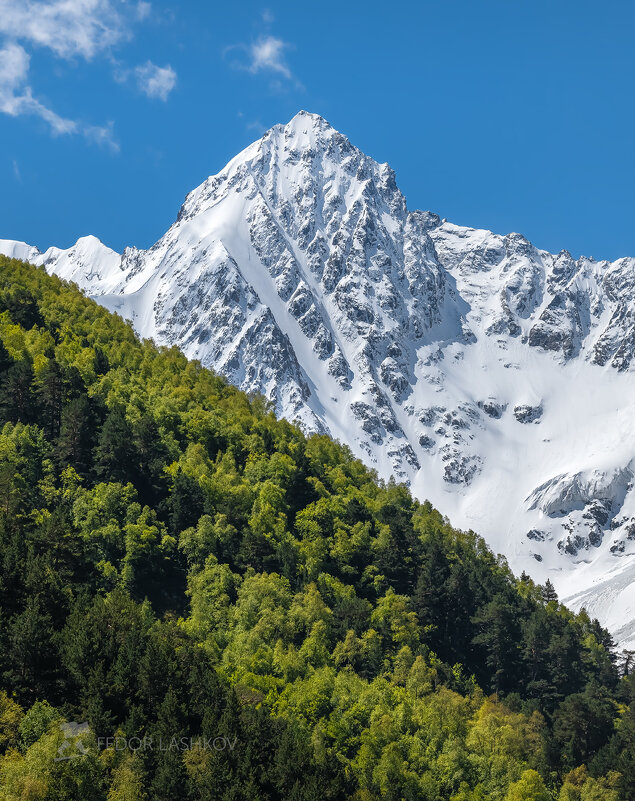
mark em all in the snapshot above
pixel 177 559
pixel 474 366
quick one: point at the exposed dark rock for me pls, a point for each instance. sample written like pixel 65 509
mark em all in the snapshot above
pixel 492 408
pixel 527 414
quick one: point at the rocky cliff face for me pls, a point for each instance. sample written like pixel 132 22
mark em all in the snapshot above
pixel 494 377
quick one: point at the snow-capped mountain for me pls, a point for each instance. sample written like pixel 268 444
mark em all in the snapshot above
pixel 494 377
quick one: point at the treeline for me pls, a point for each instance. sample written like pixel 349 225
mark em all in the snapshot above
pixel 177 564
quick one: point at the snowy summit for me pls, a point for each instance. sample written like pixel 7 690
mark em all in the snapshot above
pixel 494 377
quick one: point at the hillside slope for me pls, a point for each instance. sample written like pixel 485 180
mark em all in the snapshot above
pixel 177 564
pixel 494 377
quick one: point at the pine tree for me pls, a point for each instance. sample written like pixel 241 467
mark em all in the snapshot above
pixel 5 358
pixel 22 306
pixel 626 662
pixel 186 502
pixel 32 659
pixel 549 593
pixel 536 678
pixel 152 459
pixel 498 637
pixel 430 598
pixel 115 456
pixel 170 779
pixel 75 441
pixel 50 395
pixel 101 365
pixel 17 401
pixel 74 385
pixel 583 723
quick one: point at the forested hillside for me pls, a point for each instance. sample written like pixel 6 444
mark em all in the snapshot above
pixel 177 564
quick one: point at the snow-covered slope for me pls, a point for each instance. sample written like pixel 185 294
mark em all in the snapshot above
pixel 494 377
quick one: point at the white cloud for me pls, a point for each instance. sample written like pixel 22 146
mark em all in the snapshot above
pixel 67 27
pixel 267 53
pixel 256 125
pixel 143 10
pixel 155 81
pixel 102 135
pixel 70 29
pixel 14 67
pixel 16 99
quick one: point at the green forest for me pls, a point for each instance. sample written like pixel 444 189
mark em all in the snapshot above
pixel 239 611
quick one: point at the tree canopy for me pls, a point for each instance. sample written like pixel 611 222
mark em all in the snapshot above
pixel 180 567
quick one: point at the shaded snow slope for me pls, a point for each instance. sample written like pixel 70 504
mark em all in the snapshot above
pixel 496 378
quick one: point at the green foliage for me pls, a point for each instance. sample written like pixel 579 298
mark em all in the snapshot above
pixel 37 722
pixel 11 716
pixel 530 787
pixel 177 563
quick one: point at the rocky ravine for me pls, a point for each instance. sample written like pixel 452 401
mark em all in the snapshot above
pixel 496 378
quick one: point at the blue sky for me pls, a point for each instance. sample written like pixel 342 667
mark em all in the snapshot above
pixel 515 115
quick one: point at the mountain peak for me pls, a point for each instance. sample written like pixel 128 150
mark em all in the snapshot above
pixel 302 123
pixel 308 116
pixel 303 130
pixel 297 271
pixel 306 155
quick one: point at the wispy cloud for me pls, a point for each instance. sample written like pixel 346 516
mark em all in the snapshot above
pixel 16 99
pixel 152 80
pixel 256 126
pixel 155 81
pixel 143 10
pixel 266 54
pixel 67 27
pixel 70 29
pixel 16 171
pixel 102 135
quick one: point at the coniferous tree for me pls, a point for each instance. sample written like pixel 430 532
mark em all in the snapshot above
pixel 73 383
pixel 22 306
pixel 76 438
pixel 5 358
pixel 17 401
pixel 430 599
pixel 625 749
pixel 583 723
pixel 549 593
pixel 50 398
pixel 101 364
pixel 626 662
pixel 498 638
pixel 32 657
pixel 186 503
pixel 152 457
pixel 564 659
pixel 115 455
pixel 535 660
pixel 170 780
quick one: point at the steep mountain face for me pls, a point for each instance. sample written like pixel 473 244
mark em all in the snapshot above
pixel 496 378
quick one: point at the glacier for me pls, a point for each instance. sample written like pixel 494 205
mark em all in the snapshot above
pixel 495 378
